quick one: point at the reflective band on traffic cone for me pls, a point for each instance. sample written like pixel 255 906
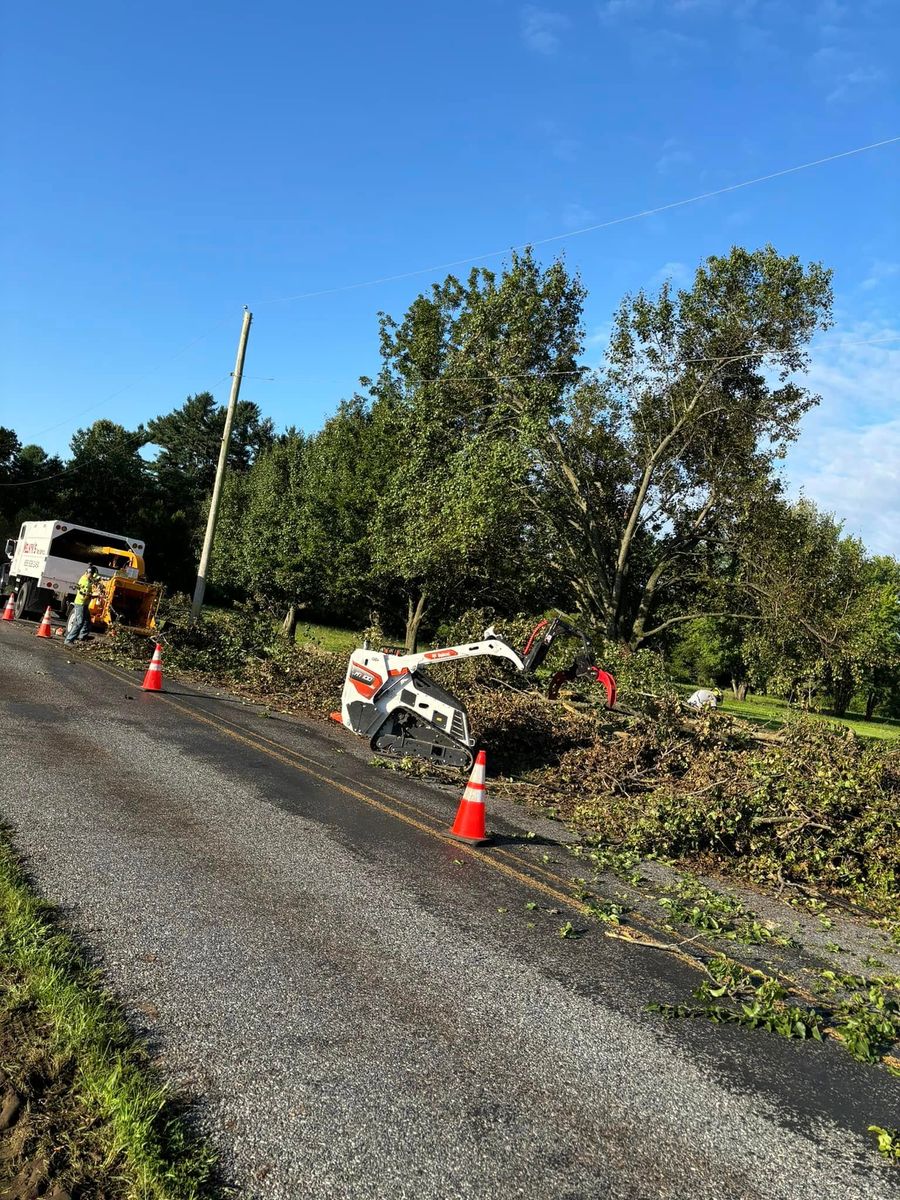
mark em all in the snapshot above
pixel 45 629
pixel 153 678
pixel 9 613
pixel 469 824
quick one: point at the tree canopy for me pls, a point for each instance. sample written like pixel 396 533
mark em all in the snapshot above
pixel 659 458
pixel 482 466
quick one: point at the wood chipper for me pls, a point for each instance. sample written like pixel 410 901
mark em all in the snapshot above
pixel 126 598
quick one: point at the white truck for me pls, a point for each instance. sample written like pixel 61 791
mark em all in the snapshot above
pixel 49 557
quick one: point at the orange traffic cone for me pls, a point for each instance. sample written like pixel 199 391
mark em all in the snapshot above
pixel 469 823
pixel 45 629
pixel 9 613
pixel 153 678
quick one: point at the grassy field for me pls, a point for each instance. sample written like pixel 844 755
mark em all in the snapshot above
pixel 327 637
pixel 771 713
pixel 335 639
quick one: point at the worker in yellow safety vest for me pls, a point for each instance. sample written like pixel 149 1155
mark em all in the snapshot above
pixel 80 621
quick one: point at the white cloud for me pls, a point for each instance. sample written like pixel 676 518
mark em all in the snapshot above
pixel 576 216
pixel 631 10
pixel 848 456
pixel 673 156
pixel 669 44
pixel 678 273
pixel 855 476
pixel 542 29
pixel 738 218
pixel 617 10
pixel 856 369
pixel 562 145
pixel 881 270
pixel 599 335
pixel 855 83
pixel 596 344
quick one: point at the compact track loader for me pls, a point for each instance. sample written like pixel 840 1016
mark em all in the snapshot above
pixel 390 699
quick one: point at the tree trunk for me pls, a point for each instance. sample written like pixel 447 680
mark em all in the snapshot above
pixel 413 621
pixel 740 687
pixel 871 703
pixel 289 624
pixel 842 690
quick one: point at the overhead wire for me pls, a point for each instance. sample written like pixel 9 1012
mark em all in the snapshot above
pixel 572 233
pixel 506 378
pixel 762 352
pixel 558 237
pixel 134 382
pixel 74 467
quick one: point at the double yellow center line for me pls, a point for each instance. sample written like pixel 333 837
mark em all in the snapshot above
pixel 496 858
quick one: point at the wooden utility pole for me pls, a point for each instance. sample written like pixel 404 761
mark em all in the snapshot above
pixel 200 589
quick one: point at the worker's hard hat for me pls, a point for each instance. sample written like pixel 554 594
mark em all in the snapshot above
pixel 92 570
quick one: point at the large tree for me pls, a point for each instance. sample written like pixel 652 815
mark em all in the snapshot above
pixel 830 615
pixel 295 529
pixel 107 483
pixel 30 483
pixel 659 459
pixel 469 375
pixel 187 442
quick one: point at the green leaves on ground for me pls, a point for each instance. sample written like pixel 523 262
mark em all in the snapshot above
pixel 864 1017
pixel 887 1141
pixel 717 914
pixel 819 806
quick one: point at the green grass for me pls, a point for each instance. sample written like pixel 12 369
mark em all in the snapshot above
pixel 327 637
pixel 772 713
pixel 769 712
pixel 148 1151
pixel 334 638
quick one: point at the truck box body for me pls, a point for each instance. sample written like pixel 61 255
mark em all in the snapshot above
pixel 49 557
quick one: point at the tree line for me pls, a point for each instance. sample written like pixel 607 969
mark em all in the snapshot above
pixel 484 466
pixel 152 482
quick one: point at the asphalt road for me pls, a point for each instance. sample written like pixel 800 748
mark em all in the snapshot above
pixel 363 1008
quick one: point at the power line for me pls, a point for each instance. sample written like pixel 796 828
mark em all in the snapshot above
pixel 88 462
pixel 47 478
pixel 880 339
pixel 762 352
pixel 140 378
pixel 635 216
pixel 558 237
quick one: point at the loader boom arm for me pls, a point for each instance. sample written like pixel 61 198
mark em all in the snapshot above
pixel 490 644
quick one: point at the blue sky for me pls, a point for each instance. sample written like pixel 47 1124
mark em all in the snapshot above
pixel 165 164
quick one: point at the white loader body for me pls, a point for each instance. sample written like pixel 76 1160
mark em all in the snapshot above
pixel 387 698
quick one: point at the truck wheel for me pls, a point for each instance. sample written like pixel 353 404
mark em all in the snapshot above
pixel 23 598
